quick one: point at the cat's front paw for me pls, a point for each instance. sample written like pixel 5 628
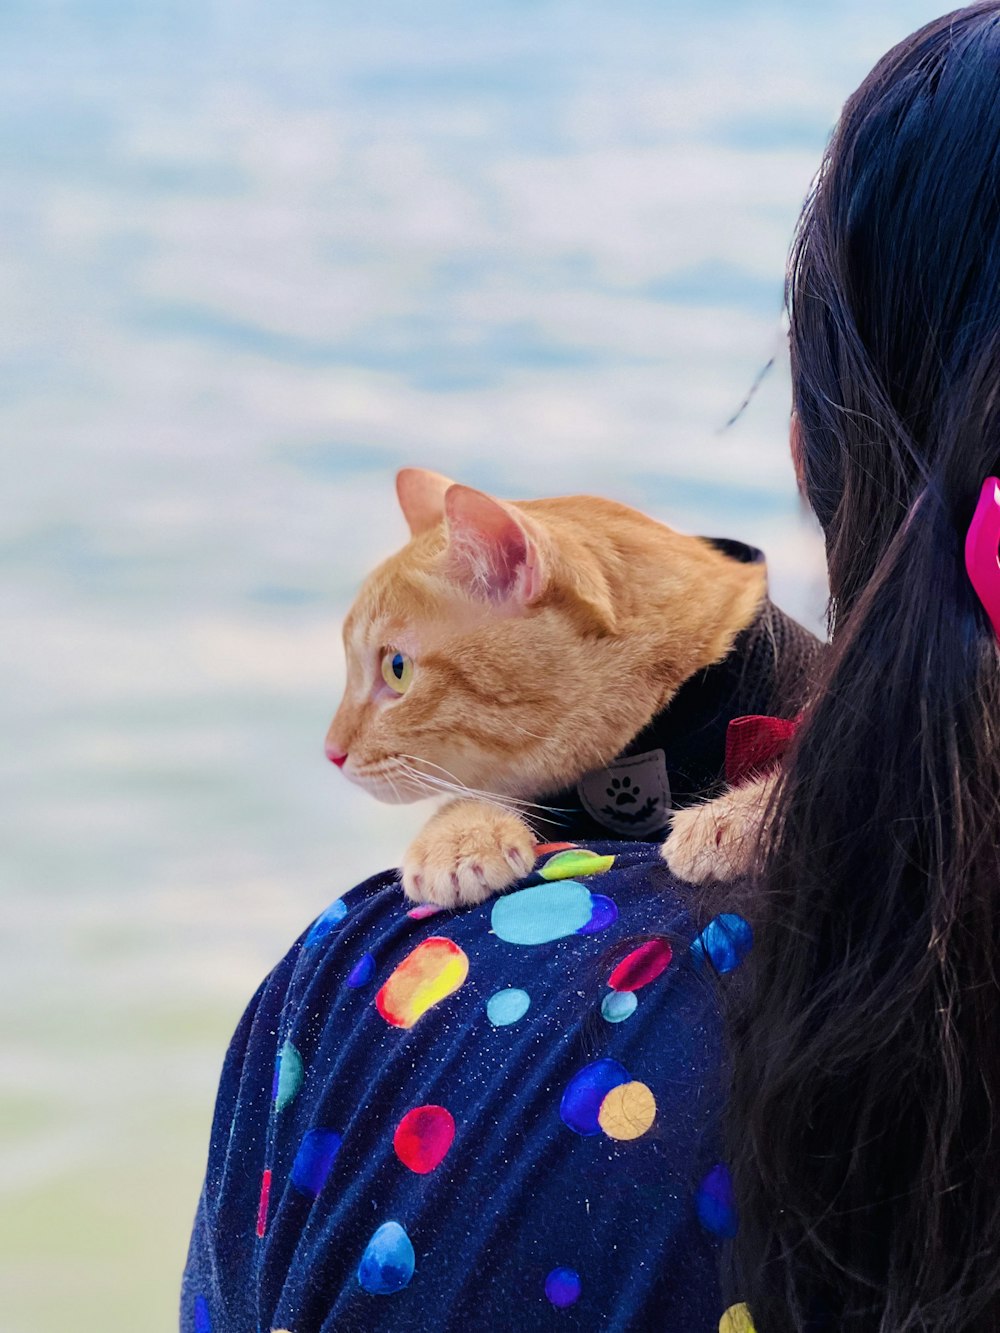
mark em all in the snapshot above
pixel 466 853
pixel 717 841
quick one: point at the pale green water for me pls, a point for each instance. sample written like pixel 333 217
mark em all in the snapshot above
pixel 255 258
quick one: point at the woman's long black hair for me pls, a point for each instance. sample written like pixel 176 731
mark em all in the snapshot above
pixel 865 1117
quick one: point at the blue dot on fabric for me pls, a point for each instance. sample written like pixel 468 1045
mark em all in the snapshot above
pixel 714 1204
pixel 619 1005
pixel 362 972
pixel 603 913
pixel 388 1261
pixel 581 1102
pixel 202 1319
pixel 507 1006
pixel 725 942
pixel 542 913
pixel 315 1157
pixel 330 920
pixel 563 1287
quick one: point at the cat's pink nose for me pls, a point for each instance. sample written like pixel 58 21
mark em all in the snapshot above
pixel 335 756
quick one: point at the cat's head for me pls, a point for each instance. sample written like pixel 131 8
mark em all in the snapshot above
pixel 511 647
pixel 442 676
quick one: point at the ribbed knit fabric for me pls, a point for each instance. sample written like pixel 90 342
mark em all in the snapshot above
pixel 498 1119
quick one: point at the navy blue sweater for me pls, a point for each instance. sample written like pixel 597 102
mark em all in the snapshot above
pixel 499 1119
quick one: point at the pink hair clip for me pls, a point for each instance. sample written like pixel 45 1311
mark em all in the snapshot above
pixel 982 561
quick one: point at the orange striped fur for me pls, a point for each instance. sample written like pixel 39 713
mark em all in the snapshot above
pixel 544 635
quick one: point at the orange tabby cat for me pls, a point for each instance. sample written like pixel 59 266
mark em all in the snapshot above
pixel 509 649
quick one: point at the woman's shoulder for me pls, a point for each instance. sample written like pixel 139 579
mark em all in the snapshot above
pixel 493 1115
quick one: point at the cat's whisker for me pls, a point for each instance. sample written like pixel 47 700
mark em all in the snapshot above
pixel 530 810
pixel 459 786
pixel 516 726
pixel 425 784
pixel 456 783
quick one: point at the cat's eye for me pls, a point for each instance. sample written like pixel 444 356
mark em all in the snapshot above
pixel 397 670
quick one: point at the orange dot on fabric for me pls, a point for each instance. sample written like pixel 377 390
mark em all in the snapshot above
pixel 642 965
pixel 423 1137
pixel 429 974
pixel 737 1320
pixel 627 1111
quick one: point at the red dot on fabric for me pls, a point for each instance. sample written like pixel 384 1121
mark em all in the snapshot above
pixel 423 1137
pixel 265 1194
pixel 642 965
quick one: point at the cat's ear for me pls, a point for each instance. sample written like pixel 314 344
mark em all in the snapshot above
pixel 421 497
pixel 491 548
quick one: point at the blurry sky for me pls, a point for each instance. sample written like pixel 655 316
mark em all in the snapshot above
pixel 255 257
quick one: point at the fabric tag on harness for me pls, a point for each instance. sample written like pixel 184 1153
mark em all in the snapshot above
pixel 630 796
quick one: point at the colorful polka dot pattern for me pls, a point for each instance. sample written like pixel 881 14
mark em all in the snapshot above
pixel 619 1005
pixel 433 971
pixel 423 910
pixel 642 965
pixel 262 1206
pixel 602 1097
pixel 723 944
pixel 362 972
pixel 737 1320
pixel 314 1160
pixel 563 1287
pixel 423 1137
pixel 542 913
pixel 507 1006
pixel 388 1262
pixel 714 1203
pixel 575 862
pixel 324 925
pixel 288 1075
pixel 627 1112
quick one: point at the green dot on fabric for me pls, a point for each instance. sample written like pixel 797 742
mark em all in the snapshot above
pixel 289 1076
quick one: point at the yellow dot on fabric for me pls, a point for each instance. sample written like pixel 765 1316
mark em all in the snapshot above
pixel 627 1111
pixel 736 1320
pixel 427 975
pixel 575 863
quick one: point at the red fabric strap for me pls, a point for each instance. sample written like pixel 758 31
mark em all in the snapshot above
pixel 755 745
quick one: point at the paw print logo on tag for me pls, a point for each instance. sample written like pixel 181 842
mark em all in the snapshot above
pixel 630 796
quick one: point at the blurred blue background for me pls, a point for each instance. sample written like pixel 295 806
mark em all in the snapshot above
pixel 255 257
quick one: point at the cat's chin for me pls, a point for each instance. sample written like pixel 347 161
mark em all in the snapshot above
pixel 396 792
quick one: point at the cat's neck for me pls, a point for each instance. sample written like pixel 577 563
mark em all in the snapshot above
pixel 652 606
pixel 678 757
pixel 669 603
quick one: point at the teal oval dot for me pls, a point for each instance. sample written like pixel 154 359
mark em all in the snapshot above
pixel 542 913
pixel 507 1006
pixel 289 1078
pixel 619 1005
